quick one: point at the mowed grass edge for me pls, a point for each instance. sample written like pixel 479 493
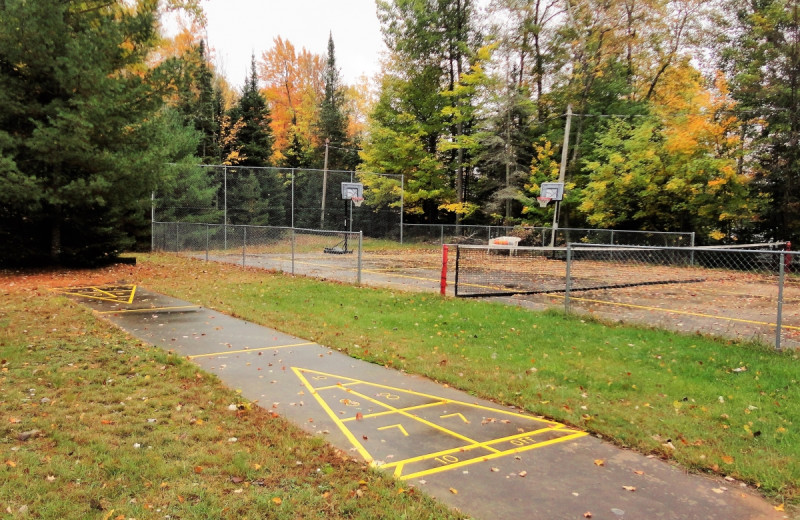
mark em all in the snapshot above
pixel 94 424
pixel 712 405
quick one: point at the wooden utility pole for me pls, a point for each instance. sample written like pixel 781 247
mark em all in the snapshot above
pixel 562 173
pixel 324 184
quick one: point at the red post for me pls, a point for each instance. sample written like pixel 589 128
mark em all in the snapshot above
pixel 787 259
pixel 443 286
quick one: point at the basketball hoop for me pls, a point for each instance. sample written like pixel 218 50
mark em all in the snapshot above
pixel 543 201
pixel 357 200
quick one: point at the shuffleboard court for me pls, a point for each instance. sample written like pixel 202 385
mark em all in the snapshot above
pixel 489 461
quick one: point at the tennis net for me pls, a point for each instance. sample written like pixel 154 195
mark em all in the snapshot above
pixel 504 271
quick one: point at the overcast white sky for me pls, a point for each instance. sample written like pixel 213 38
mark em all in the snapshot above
pixel 237 28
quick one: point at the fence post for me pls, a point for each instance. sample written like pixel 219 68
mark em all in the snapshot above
pixel 443 281
pixel 692 254
pixel 225 206
pixel 568 280
pixel 207 230
pixel 402 204
pixel 177 238
pixel 360 244
pixel 152 221
pixel 441 234
pixel 292 215
pixel 778 324
pixel 244 243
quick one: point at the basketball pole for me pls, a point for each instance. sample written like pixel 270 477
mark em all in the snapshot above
pixel 561 173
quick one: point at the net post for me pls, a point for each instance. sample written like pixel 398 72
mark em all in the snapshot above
pixel 294 239
pixel 455 285
pixel 787 258
pixel 360 244
pixel 443 284
pixel 568 280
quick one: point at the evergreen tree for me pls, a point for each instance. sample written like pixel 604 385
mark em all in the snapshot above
pixel 331 128
pixel 83 137
pixel 298 154
pixel 255 197
pixel 200 103
pixel 255 136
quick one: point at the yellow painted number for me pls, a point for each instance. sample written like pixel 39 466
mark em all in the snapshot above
pixel 523 441
pixel 446 459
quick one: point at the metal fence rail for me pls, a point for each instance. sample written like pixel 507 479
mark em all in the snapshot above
pixel 743 293
pixel 310 252
pixel 541 236
pixel 288 197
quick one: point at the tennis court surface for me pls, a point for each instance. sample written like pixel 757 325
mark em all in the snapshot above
pixel 487 460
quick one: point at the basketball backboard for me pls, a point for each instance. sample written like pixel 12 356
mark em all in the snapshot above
pixel 552 190
pixel 352 189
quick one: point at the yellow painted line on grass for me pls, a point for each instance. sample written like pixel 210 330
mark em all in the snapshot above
pixel 242 351
pixel 352 438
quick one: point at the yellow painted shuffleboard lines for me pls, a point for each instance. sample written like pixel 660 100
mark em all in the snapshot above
pixel 418 434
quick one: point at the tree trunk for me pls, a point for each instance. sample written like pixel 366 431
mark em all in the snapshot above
pixel 55 240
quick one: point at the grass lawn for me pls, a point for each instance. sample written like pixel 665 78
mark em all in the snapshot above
pixel 711 405
pixel 94 424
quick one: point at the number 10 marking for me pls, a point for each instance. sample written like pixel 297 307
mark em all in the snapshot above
pixel 446 459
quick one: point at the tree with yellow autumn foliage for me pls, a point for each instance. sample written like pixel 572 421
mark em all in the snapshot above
pixel 675 169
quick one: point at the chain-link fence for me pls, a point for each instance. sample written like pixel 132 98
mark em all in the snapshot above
pixel 310 252
pixel 540 236
pixel 745 292
pixel 281 197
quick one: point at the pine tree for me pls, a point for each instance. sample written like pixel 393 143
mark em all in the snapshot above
pixel 255 136
pixel 333 118
pixel 84 139
pixel 199 103
pixel 257 197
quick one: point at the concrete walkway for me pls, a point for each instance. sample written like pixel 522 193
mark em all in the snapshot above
pixel 488 461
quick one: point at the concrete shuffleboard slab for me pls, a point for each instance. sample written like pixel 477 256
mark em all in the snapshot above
pixel 502 462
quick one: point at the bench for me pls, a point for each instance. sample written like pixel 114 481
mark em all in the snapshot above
pixel 511 243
